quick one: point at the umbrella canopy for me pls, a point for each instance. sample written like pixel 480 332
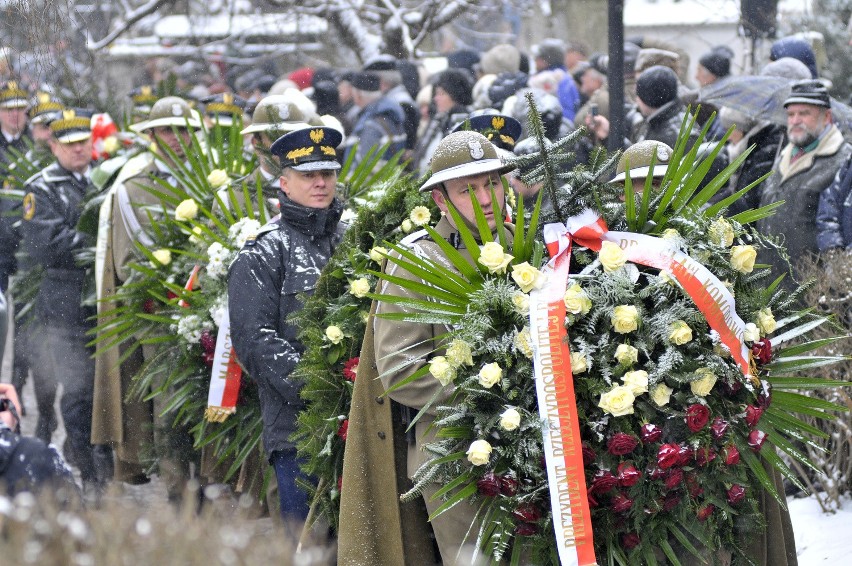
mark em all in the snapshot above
pixel 763 98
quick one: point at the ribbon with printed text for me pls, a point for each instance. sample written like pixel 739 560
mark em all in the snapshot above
pixel 225 376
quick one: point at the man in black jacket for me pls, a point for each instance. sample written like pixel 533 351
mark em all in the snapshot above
pixel 264 284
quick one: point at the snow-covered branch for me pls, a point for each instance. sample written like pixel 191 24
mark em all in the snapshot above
pixel 129 20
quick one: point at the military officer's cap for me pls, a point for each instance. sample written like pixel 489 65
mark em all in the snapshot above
pixel 13 96
pixel 143 99
pixel 308 149
pixel 463 154
pixel 224 108
pixel 639 156
pixel 501 130
pixel 44 108
pixel 169 111
pixel 277 114
pixel 72 125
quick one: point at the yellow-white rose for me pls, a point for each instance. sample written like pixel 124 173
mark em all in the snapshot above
pixel 679 332
pixel 195 235
pixel 625 318
pixel 671 234
pixel 217 178
pixel 407 226
pixel 704 384
pixel 492 256
pixel 576 300
pixel 766 321
pixel 186 210
pixel 360 287
pixel 636 381
pixel 612 256
pixel 618 401
pixel 742 258
pixel 420 215
pixel 490 374
pixel 521 302
pixel 161 257
pixel 527 277
pixel 334 334
pixel 523 342
pixel 378 253
pixel 479 452
pixel 459 353
pixel 442 370
pixel 579 364
pixel 721 232
pixel 661 394
pixel 626 354
pixel 111 144
pixel 752 333
pixel 510 419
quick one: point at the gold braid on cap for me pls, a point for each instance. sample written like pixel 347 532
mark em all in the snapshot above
pixel 70 121
pixel 328 150
pixel 507 139
pixel 222 108
pixel 295 154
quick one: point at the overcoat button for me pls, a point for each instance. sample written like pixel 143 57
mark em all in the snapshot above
pixel 380 400
pixel 382 435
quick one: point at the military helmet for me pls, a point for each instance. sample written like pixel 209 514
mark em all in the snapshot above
pixel 278 114
pixel 462 154
pixel 169 111
pixel 639 156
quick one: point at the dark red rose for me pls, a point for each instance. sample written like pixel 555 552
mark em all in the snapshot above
pixel 603 481
pixel 719 428
pixel 630 541
pixel 756 438
pixel 736 494
pixel 620 444
pixel 732 455
pixel 589 455
pixel 344 429
pixel 628 475
pixel 526 529
pixel 149 306
pixel 620 503
pixel 705 512
pixel 208 358
pixel 673 478
pixel 684 456
pixel 488 485
pixel 171 295
pixel 704 455
pixel 208 341
pixel 764 396
pixel 692 486
pixel 762 351
pixel 350 368
pixel 655 473
pixel 668 455
pixel 753 415
pixel 650 433
pixel 527 512
pixel 697 416
pixel 508 485
pixel 671 501
pixel 731 389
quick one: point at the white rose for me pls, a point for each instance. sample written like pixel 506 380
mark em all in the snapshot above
pixel 378 253
pixel 161 257
pixel 492 256
pixel 521 302
pixel 742 258
pixel 334 334
pixel 721 232
pixel 766 321
pixel 510 419
pixel 360 287
pixel 217 178
pixel 578 363
pixel 407 226
pixel 626 354
pixel 679 332
pixel 752 333
pixel 618 401
pixel 625 318
pixel 195 235
pixel 441 370
pixel 612 256
pixel 636 381
pixel 671 234
pixel 704 384
pixel 490 374
pixel 661 394
pixel 420 215
pixel 111 144
pixel 479 452
pixel 186 210
pixel 527 277
pixel 576 300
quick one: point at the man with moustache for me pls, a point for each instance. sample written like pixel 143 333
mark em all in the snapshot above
pixel 805 167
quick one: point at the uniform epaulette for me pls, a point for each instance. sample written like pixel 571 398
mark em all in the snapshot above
pixel 270 226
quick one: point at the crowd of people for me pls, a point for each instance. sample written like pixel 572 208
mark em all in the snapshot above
pixel 302 127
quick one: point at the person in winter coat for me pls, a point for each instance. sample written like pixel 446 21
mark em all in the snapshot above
pixel 452 96
pixel 381 120
pixel 265 286
pixel 834 213
pixel 658 103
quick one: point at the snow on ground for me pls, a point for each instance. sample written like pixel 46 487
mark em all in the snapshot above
pixel 821 538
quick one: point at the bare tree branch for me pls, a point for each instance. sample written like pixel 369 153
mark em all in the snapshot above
pixel 130 19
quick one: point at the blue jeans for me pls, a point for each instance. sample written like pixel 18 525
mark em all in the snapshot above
pixel 294 500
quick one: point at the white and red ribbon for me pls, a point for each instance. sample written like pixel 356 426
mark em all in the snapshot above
pixel 225 376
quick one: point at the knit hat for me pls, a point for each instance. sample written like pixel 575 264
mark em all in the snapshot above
pixel 383 62
pixel 808 92
pixel 457 84
pixel 465 59
pixel 718 60
pixel 506 85
pixel 787 68
pixel 302 77
pixel 503 58
pixel 797 49
pixel 657 86
pixel 729 117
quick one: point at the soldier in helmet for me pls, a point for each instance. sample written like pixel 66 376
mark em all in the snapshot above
pixel 463 163
pixel 636 160
pixel 142 99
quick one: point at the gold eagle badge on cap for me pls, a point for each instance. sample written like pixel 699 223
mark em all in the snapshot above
pixel 317 136
pixel 497 122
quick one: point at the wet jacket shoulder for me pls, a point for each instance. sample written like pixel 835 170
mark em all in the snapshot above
pixel 380 122
pixel 834 213
pixel 265 286
pixel 27 464
pixel 664 125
